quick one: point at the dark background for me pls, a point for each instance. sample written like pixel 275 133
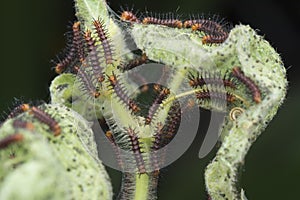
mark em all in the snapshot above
pixel 32 33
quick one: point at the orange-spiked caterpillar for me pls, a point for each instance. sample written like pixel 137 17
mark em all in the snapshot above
pixel 76 51
pixel 256 94
pixel 11 139
pixel 122 94
pixel 45 118
pixel 105 41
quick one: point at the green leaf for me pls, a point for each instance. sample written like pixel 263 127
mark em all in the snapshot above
pixel 89 10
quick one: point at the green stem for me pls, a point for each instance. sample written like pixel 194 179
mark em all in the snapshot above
pixel 137 186
pixel 142 182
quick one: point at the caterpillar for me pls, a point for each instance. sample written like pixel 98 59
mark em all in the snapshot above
pixel 87 82
pixel 134 63
pixel 171 123
pixel 155 105
pixel 156 145
pixel 135 147
pixel 93 57
pixel 120 92
pixel 129 16
pixel 209 39
pixel 78 41
pixel 76 49
pixel 127 188
pixel 8 140
pixel 206 94
pixel 239 74
pixel 23 124
pixel 216 32
pixel 46 119
pixel 171 22
pixel 111 139
pixel 105 42
pixel 206 26
pixel 18 110
pixel 199 81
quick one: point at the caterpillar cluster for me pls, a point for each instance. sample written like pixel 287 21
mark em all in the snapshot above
pixel 216 31
pixel 163 135
pixel 210 86
pixel 83 46
pixel 207 79
pixel 208 95
pixel 37 113
pixel 89 53
pixel 211 90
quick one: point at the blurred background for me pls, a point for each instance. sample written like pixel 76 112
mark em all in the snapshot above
pixel 32 33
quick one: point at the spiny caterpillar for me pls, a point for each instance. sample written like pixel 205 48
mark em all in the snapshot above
pixel 170 22
pixel 213 91
pixel 86 81
pixel 93 57
pixel 239 74
pixel 162 94
pixel 122 94
pixel 206 94
pixel 199 81
pixel 136 149
pixel 134 63
pixel 76 50
pixel 129 16
pixel 83 44
pixel 18 110
pixel 156 145
pixel 171 124
pixel 215 32
pixel 105 42
pixel 110 137
pixel 47 119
